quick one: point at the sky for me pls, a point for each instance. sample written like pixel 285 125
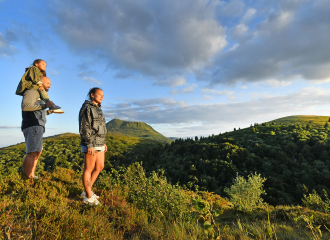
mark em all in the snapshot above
pixel 186 67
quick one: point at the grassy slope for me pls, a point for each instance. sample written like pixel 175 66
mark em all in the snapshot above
pixel 314 121
pixel 51 208
pixel 135 129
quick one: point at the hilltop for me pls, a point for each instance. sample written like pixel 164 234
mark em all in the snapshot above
pixel 135 129
pixel 302 120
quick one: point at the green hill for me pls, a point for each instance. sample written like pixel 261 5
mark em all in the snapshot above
pixel 135 129
pixel 302 120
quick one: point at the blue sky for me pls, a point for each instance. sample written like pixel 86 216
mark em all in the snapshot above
pixel 187 68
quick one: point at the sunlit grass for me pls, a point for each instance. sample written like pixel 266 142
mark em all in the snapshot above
pixel 51 208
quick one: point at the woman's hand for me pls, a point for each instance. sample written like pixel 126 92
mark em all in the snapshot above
pixel 105 148
pixel 41 89
pixel 91 151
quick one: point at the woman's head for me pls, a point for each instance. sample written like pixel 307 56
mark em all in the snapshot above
pixel 95 95
pixel 41 64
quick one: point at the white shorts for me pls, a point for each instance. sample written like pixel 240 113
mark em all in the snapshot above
pixel 84 149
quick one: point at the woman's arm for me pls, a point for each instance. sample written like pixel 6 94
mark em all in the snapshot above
pixel 86 130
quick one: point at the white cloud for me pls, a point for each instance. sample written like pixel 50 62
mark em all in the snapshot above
pixel 6 49
pixel 308 101
pixel 171 82
pixel 91 80
pixel 225 92
pixel 188 89
pixel 283 42
pixel 248 14
pixel 158 39
pixel 274 83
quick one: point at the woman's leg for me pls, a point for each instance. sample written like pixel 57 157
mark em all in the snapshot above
pixel 87 174
pixel 99 165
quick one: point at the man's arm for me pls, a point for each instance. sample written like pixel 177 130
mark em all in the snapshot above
pixel 29 101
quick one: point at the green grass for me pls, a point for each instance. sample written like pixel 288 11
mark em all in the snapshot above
pixel 51 208
pixel 314 121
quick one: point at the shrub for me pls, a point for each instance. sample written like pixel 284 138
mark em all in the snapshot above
pixel 152 194
pixel 246 194
pixel 315 202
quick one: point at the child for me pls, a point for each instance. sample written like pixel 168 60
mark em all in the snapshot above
pixel 31 80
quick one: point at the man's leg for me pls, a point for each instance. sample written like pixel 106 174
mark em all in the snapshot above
pixel 35 163
pixel 30 163
pixel 99 165
pixel 33 140
pixel 88 168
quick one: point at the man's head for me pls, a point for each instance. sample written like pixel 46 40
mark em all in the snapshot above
pixel 46 83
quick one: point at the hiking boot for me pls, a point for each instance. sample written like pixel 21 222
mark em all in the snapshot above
pixel 92 201
pixel 83 194
pixel 52 105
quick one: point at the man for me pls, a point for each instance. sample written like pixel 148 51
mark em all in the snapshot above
pixel 33 127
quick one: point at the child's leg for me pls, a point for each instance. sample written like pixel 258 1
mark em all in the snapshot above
pixel 43 94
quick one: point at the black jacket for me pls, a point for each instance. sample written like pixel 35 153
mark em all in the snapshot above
pixel 92 126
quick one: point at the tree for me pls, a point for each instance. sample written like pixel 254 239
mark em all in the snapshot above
pixel 246 194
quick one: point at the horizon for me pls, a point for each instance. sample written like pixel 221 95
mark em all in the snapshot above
pixel 192 137
pixel 182 68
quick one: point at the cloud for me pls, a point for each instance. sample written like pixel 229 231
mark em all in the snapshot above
pixel 306 101
pixel 288 41
pixel 188 89
pixel 171 82
pixel 157 39
pixel 6 49
pixel 174 92
pixel 225 92
pixel 221 42
pixel 91 80
pixel 276 83
pixel 8 127
pixel 163 102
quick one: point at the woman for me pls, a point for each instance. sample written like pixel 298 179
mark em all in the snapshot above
pixel 92 128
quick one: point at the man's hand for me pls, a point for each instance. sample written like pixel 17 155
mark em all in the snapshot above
pixel 91 151
pixel 41 88
pixel 105 148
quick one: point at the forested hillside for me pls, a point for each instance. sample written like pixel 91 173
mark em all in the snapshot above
pixel 293 158
pixel 135 129
pixel 287 162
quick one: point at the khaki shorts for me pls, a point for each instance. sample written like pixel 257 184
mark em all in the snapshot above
pixel 33 138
